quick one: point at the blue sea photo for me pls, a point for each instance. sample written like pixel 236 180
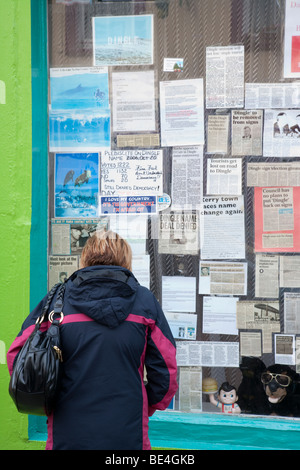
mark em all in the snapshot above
pixel 79 131
pixel 79 88
pixel 123 40
pixel 76 184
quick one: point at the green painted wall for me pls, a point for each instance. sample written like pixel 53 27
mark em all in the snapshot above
pixel 15 200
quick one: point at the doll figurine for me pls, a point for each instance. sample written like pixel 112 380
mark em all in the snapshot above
pixel 227 398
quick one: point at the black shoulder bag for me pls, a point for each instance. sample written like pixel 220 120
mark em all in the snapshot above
pixel 35 381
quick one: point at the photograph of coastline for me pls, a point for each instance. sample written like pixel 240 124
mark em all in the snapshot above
pixel 123 40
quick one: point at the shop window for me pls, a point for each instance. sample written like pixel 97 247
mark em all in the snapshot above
pixel 176 123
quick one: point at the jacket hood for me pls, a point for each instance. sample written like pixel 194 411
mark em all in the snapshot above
pixel 104 293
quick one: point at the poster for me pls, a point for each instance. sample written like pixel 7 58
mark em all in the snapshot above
pixel 282 133
pixel 123 40
pixel 133 101
pixel 277 219
pixel 127 205
pixel 225 77
pixel 182 112
pixel 131 172
pixel 79 130
pixel 292 39
pixel 79 88
pixel 76 186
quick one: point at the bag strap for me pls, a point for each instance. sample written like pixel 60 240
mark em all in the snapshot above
pixel 60 289
pixel 51 294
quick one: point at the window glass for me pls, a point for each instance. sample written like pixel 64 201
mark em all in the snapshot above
pixel 176 124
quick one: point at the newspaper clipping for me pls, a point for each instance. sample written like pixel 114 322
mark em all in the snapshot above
pixel 247 132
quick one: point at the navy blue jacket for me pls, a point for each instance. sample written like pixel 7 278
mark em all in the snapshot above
pixel 112 328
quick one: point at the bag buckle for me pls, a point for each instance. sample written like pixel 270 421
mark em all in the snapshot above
pixel 51 316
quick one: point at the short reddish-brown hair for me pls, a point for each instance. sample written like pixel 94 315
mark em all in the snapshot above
pixel 106 248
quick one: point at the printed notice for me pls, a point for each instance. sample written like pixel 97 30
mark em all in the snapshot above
pixel 179 294
pixel 182 112
pixel 133 101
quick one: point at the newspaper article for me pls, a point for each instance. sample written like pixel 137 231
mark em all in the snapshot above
pixel 289 271
pixel 138 140
pixel 259 315
pixel 222 278
pixel 187 176
pixel 190 389
pixel 278 213
pixel 291 309
pixel 225 77
pixel 246 129
pixel 250 343
pixel 267 276
pixel 272 95
pixel 281 133
pixel 60 268
pixel 217 133
pixel 222 228
pixel 276 219
pixel 224 176
pixel 179 232
pixel 285 349
pixel 273 174
pixel 207 354
pixel 68 236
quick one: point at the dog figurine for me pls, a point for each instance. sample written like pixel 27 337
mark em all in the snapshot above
pixel 282 388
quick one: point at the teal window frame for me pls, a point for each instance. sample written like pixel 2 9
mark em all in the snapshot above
pixel 168 429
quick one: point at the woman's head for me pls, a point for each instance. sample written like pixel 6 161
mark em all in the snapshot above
pixel 106 248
